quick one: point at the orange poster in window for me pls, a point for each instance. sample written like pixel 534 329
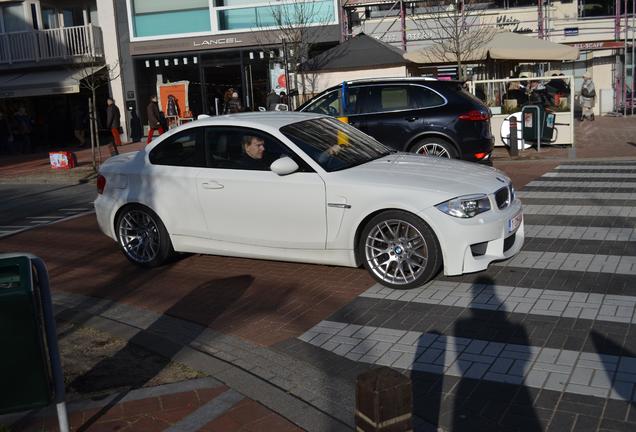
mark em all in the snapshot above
pixel 173 98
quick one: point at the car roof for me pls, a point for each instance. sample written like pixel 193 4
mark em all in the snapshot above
pixel 272 119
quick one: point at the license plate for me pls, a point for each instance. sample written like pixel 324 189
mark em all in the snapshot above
pixel 515 222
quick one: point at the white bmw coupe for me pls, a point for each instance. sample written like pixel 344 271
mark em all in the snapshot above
pixel 306 188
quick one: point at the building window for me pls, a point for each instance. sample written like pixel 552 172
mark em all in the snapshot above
pixel 167 17
pixel 319 12
pixel 14 19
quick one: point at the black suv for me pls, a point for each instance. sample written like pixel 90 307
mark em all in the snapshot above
pixel 421 115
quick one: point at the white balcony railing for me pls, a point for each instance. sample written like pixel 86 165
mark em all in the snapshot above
pixel 61 44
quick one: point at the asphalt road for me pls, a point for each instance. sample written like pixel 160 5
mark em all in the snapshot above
pixel 23 206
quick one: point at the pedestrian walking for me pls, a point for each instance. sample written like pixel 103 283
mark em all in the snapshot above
pixel 6 137
pixel 154 119
pixel 234 105
pixel 80 121
pixel 271 101
pixel 588 96
pixel 23 129
pixel 113 123
pixel 284 99
pixel 227 97
pixel 136 131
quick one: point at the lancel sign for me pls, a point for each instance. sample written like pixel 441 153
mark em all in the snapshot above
pixel 217 42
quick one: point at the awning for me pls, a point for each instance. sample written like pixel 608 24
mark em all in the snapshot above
pixel 43 83
pixel 503 46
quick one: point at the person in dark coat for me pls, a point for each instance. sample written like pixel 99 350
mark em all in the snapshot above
pixel 136 131
pixel 80 121
pixel 272 100
pixel 113 122
pixel 154 118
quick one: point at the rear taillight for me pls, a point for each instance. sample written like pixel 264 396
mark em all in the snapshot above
pixel 475 115
pixel 480 156
pixel 101 184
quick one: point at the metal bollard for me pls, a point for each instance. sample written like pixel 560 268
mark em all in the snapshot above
pixel 383 402
pixel 512 140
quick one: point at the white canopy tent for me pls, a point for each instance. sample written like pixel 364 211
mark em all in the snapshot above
pixel 505 46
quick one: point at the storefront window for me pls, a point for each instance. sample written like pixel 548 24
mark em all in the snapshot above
pixel 163 17
pixel 320 12
pixel 601 8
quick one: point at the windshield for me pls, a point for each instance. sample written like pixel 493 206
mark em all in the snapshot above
pixel 333 144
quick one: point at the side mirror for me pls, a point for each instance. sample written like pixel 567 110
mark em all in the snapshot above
pixel 284 166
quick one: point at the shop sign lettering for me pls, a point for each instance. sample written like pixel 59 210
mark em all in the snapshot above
pixel 216 42
pixel 512 24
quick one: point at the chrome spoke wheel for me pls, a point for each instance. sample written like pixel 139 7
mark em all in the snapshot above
pixel 396 251
pixel 433 149
pixel 139 236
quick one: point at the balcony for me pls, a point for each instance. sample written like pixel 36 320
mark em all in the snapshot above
pixel 62 45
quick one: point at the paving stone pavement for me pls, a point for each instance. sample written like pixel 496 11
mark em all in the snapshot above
pixel 544 341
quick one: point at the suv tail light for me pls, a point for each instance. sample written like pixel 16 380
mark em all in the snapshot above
pixel 101 184
pixel 475 115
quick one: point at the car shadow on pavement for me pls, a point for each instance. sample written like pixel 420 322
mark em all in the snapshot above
pixel 472 396
pixel 117 370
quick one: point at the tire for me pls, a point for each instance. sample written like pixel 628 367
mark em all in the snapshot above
pixel 434 146
pixel 154 248
pixel 399 250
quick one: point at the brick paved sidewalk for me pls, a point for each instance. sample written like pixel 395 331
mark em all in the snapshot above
pixel 202 405
pixel 35 168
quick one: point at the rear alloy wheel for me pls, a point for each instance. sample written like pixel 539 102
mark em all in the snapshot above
pixel 436 147
pixel 400 250
pixel 142 236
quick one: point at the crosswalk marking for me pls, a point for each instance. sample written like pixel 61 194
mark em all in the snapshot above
pixel 587 175
pixel 597 167
pixel 586 373
pixel 581 233
pixel 625 265
pixel 505 309
pixel 577 210
pixel 564 195
pixel 591 306
pixel 587 184
pixel 45 217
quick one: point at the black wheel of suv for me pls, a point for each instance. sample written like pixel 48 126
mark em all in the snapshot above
pixel 434 146
pixel 142 236
pixel 399 250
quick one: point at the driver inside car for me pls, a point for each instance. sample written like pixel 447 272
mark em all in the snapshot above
pixel 255 156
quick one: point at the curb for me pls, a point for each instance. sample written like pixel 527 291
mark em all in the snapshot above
pixel 289 387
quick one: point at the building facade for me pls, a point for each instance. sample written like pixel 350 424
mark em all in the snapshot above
pixel 196 50
pixel 45 50
pixel 593 26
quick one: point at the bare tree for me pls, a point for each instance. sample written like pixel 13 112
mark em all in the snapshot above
pixel 457 32
pixel 295 26
pixel 92 76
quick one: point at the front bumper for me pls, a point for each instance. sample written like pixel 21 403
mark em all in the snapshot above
pixel 487 234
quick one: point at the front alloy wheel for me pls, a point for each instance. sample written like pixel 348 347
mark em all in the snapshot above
pixel 143 237
pixel 400 251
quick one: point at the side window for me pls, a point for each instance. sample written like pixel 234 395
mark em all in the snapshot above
pixel 394 98
pixel 387 98
pixel 329 104
pixel 425 97
pixel 183 149
pixel 243 149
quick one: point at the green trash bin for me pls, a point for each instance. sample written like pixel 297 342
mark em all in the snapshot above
pixel 24 364
pixel 529 125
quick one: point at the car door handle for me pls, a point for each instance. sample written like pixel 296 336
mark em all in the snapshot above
pixel 212 185
pixel 411 119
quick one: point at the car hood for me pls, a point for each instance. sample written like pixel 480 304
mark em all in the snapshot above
pixel 447 177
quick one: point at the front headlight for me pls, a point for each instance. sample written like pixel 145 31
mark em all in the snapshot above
pixel 465 206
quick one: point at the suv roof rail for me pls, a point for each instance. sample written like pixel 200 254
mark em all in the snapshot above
pixel 391 79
